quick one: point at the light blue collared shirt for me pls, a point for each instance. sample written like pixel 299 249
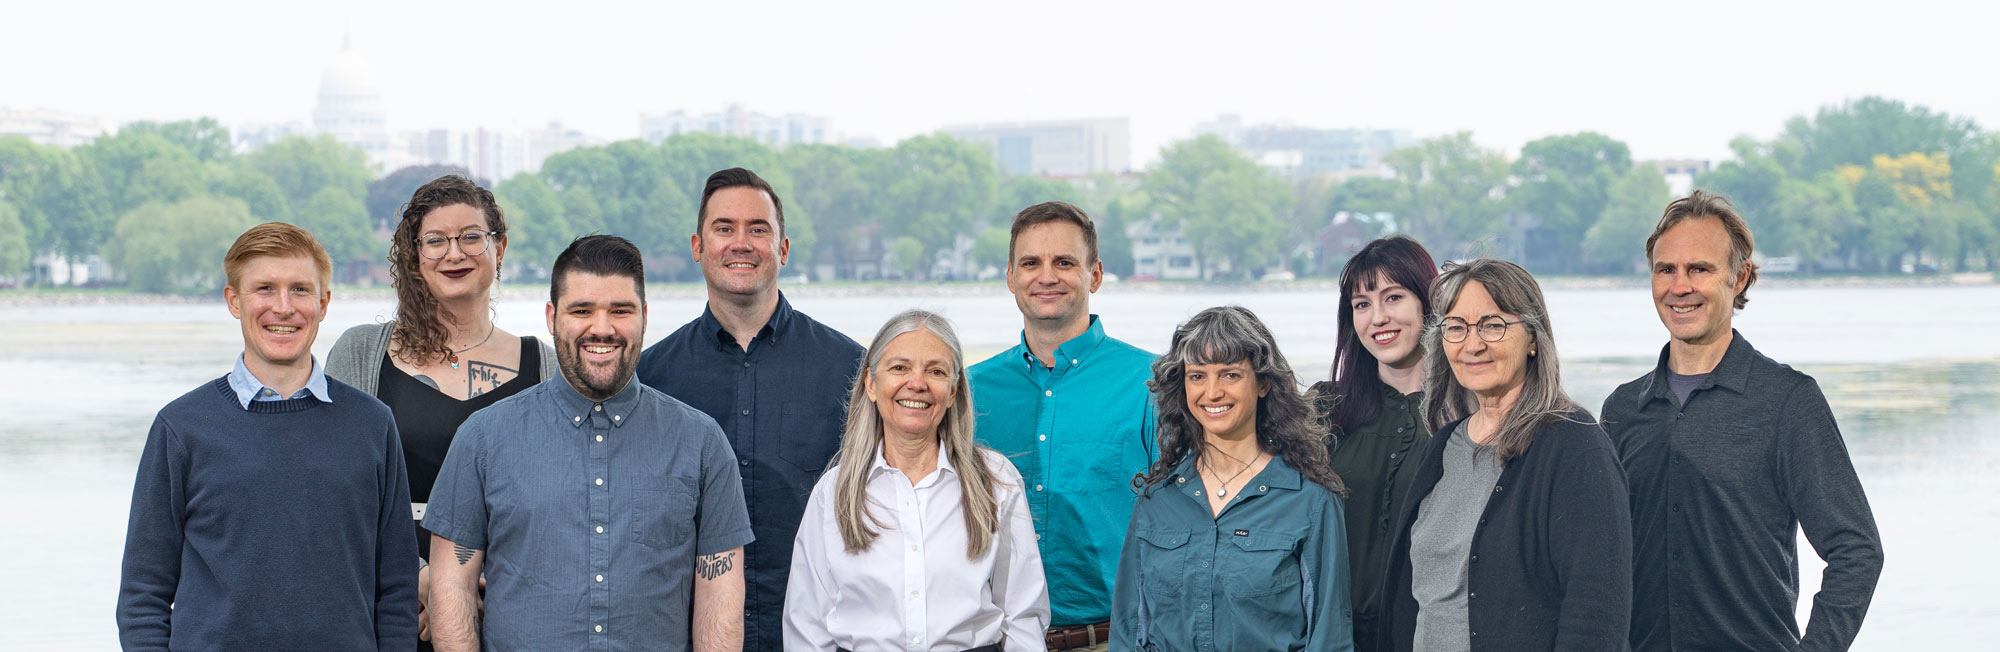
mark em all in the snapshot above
pixel 248 388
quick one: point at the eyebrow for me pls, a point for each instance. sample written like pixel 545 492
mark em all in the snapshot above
pixel 581 303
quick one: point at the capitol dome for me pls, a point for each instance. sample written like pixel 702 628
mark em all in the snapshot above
pixel 350 103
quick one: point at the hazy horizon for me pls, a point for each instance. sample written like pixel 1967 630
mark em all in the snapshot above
pixel 1672 83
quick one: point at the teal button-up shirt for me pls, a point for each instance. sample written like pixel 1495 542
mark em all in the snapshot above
pixel 1268 573
pixel 1078 432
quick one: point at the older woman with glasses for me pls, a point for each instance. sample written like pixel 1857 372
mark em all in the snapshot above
pixel 1516 534
pixel 441 358
pixel 1237 540
pixel 917 538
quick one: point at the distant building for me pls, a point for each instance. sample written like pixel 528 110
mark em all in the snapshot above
pixel 254 135
pixel 1300 151
pixel 774 131
pixel 350 108
pixel 1160 252
pixel 551 140
pixel 1338 241
pixel 53 128
pixel 1680 173
pixel 1057 148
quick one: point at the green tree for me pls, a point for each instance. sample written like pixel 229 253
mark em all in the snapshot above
pixel 165 247
pixel 990 250
pixel 906 253
pixel 1451 192
pixel 1365 196
pixel 205 139
pixel 137 167
pixel 302 167
pixel 1565 183
pixel 1230 208
pixel 60 198
pixel 1114 246
pixel 537 229
pixel 833 185
pixel 1805 219
pixel 1019 192
pixel 1617 238
pixel 1854 132
pixel 14 252
pixel 339 221
pixel 632 194
pixel 690 158
pixel 259 192
pixel 937 188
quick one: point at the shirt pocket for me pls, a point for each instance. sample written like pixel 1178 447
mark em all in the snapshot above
pixel 663 513
pixel 1261 565
pixel 1164 558
pixel 810 438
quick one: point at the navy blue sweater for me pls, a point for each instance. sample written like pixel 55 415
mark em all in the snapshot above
pixel 282 527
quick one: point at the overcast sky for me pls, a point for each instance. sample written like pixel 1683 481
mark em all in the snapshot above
pixel 1672 79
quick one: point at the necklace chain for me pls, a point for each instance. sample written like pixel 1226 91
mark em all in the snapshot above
pixel 453 357
pixel 1223 487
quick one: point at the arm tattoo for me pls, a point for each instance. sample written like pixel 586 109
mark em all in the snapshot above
pixel 426 380
pixel 713 566
pixel 463 553
pixel 481 377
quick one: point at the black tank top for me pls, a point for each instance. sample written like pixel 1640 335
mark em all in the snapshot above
pixel 426 419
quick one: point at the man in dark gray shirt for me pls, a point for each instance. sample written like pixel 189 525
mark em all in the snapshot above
pixel 606 515
pixel 1728 454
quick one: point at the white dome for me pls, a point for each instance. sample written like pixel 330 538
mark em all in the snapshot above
pixel 348 77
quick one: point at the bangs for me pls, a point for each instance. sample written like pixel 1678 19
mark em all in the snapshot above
pixel 1212 342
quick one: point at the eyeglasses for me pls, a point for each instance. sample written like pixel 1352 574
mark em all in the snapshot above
pixel 435 245
pixel 1491 329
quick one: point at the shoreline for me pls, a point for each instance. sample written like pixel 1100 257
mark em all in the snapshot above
pixel 515 292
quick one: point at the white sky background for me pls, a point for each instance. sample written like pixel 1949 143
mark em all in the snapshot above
pixel 1672 79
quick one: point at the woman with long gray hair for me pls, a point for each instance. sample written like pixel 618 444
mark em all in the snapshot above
pixel 1516 534
pixel 916 538
pixel 1237 540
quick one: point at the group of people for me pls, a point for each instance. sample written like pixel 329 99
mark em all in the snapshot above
pixel 759 481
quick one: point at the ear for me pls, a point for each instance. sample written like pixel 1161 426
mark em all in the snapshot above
pixel 784 251
pixel 1096 274
pixel 868 384
pixel 694 247
pixel 325 297
pixel 229 297
pixel 1263 389
pixel 550 312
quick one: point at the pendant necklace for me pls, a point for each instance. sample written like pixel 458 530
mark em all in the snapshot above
pixel 1222 489
pixel 453 357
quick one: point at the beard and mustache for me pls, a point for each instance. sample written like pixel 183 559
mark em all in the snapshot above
pixel 595 382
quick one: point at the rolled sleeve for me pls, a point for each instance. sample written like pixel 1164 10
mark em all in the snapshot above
pixel 457 510
pixel 724 521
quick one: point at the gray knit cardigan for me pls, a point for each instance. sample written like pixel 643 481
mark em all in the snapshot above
pixel 356 358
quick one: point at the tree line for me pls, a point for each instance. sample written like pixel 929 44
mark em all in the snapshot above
pixel 1869 185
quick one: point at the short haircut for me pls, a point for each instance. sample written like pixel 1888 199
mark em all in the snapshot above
pixel 1053 211
pixel 603 255
pixel 736 178
pixel 276 240
pixel 1707 204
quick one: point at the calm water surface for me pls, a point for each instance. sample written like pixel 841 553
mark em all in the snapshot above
pixel 1913 375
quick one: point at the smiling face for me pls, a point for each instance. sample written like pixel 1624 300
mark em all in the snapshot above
pixel 1223 398
pixel 1488 369
pixel 1388 320
pixel 1049 275
pixel 458 276
pixel 598 324
pixel 1693 288
pixel 913 384
pixel 739 245
pixel 280 303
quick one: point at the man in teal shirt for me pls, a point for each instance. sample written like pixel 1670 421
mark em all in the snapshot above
pixel 1069 406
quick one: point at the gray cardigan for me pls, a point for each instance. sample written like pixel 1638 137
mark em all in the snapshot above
pixel 356 358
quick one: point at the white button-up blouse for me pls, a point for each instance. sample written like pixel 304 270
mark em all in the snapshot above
pixel 914 589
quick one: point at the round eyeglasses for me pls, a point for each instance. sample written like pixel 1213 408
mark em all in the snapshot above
pixel 1491 329
pixel 472 243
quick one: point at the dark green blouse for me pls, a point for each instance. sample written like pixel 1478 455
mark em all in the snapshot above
pixel 1375 461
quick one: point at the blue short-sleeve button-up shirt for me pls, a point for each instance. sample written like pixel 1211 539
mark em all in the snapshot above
pixel 591 515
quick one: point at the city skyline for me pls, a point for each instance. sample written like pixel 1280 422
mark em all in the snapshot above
pixel 889 71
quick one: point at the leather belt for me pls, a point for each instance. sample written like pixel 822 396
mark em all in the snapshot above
pixel 1076 636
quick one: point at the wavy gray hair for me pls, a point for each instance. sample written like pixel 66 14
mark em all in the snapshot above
pixel 863 439
pixel 1542 399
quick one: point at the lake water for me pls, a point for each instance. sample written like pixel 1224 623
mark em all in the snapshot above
pixel 1913 375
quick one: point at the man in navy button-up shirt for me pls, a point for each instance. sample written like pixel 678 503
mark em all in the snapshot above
pixel 774 379
pixel 603 512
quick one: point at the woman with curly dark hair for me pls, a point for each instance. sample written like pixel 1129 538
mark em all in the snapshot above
pixel 441 358
pixel 1237 540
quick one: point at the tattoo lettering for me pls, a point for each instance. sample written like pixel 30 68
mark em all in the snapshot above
pixel 713 566
pixel 426 380
pixel 481 377
pixel 463 553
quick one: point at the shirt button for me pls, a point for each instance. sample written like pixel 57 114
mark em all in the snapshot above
pixel 743 412
pixel 1469 596
pixel 916 639
pixel 600 628
pixel 1475 559
pixel 598 408
pixel 1496 488
pixel 1072 361
pixel 576 419
pixel 1048 392
pixel 618 417
pixel 600 437
pixel 1038 487
pixel 1262 488
pixel 600 578
pixel 1393 455
pixel 744 461
pixel 746 364
pixel 1677 508
pixel 600 529
pixel 1044 437
pixel 1399 428
pixel 600 482
pixel 1204 563
pixel 914 593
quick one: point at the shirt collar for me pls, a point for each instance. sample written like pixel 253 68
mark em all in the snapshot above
pixel 1276 475
pixel 708 326
pixel 249 388
pixel 1732 372
pixel 881 464
pixel 581 411
pixel 1074 351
